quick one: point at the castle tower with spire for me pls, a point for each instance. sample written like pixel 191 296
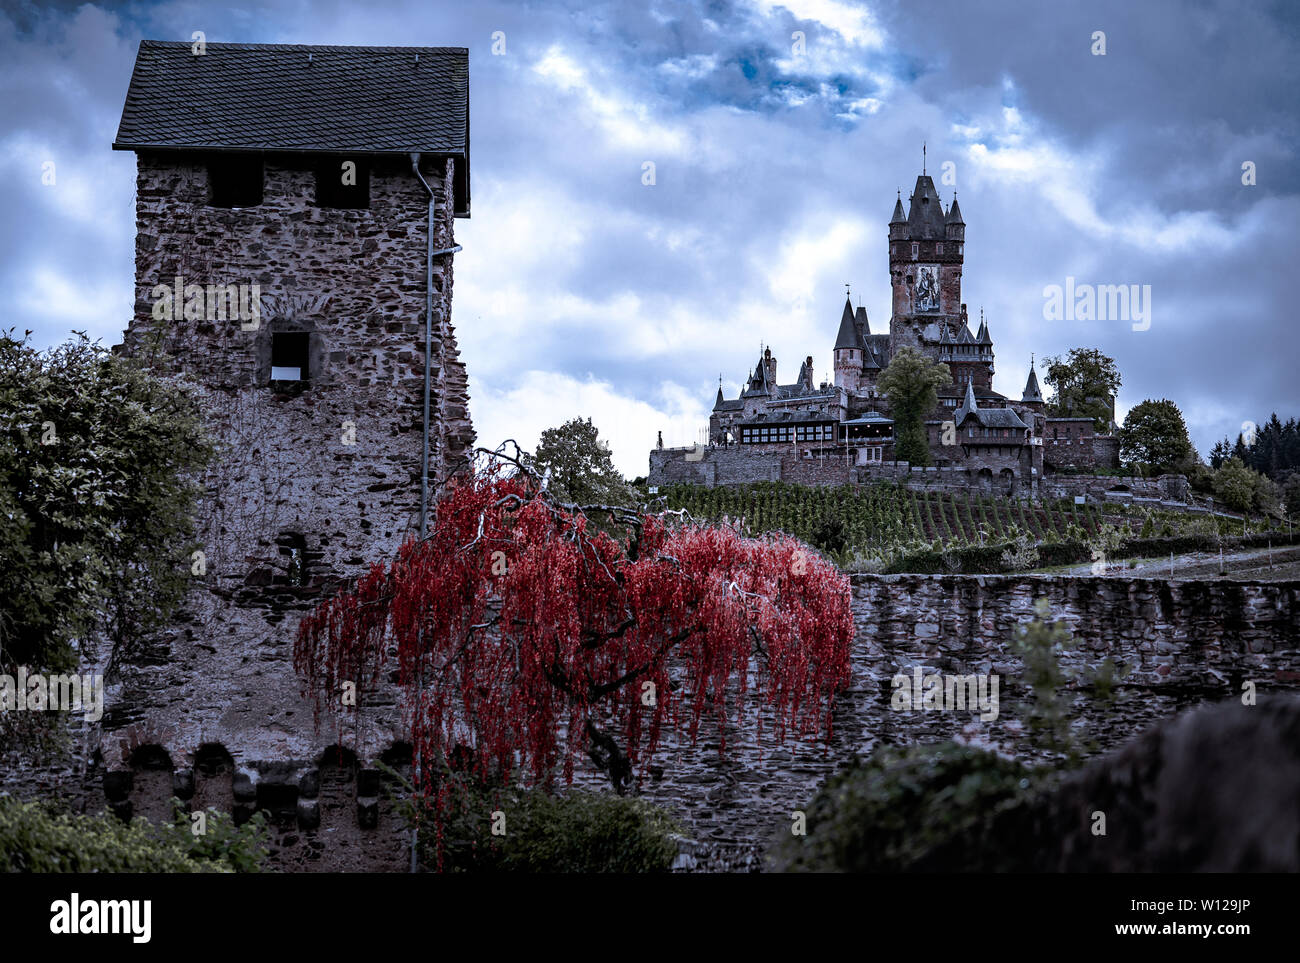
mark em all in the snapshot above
pixel 848 352
pixel 926 252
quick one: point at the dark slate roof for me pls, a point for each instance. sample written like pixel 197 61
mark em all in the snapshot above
pixel 757 384
pixel 988 417
pixel 879 343
pixel 860 320
pixel 272 97
pixel 954 212
pixel 925 218
pixel 999 418
pixel 800 390
pixel 733 405
pixel 899 217
pixel 1032 392
pixel 848 333
pixel 870 418
pixel 958 391
pixel 788 418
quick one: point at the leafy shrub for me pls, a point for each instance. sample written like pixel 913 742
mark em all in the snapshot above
pixel 830 533
pixel 1020 554
pixel 35 839
pixel 578 832
pixel 914 809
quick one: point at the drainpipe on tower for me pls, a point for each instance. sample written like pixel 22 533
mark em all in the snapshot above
pixel 428 337
pixel 430 254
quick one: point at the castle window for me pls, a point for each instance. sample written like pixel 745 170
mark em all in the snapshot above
pixel 343 183
pixel 916 250
pixel 289 356
pixel 294 548
pixel 938 248
pixel 235 180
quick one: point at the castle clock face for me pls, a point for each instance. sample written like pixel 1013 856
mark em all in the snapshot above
pixel 927 287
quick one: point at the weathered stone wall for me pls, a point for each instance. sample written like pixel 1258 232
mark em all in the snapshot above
pixel 712 466
pixel 1182 642
pixel 313 483
pixel 1170 488
pixel 1105 451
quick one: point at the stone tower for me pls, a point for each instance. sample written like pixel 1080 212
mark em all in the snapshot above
pixel 849 351
pixel 320 184
pixel 926 251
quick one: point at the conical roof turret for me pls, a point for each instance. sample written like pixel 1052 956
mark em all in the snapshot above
pixel 848 333
pixel 954 212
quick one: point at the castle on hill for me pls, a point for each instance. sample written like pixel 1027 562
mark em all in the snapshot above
pixel 847 421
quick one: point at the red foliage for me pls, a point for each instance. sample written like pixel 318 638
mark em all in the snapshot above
pixel 515 622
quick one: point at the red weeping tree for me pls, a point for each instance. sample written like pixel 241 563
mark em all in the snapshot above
pixel 525 633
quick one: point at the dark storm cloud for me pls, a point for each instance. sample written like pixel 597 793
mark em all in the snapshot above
pixel 582 290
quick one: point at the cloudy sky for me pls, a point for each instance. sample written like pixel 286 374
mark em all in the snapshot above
pixel 779 132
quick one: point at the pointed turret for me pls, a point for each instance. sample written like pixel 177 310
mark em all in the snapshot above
pixel 953 226
pixel 925 218
pixel 861 323
pixel 899 217
pixel 1032 392
pixel 718 402
pixel 968 404
pixel 983 336
pixel 848 333
pixel 954 212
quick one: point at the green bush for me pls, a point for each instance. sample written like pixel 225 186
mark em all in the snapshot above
pixel 578 832
pixel 915 809
pixel 36 839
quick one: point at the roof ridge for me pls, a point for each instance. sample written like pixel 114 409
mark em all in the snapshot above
pixel 230 45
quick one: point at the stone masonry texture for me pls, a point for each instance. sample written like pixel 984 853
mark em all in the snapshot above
pixel 313 483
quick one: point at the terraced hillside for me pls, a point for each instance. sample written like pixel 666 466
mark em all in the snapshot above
pixel 884 519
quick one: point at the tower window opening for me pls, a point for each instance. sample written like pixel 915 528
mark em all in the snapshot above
pixel 343 187
pixel 235 181
pixel 289 356
pixel 293 548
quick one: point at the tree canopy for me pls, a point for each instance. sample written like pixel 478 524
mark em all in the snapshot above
pixel 578 466
pixel 1154 435
pixel 524 634
pixel 912 381
pixel 1084 385
pixel 96 498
